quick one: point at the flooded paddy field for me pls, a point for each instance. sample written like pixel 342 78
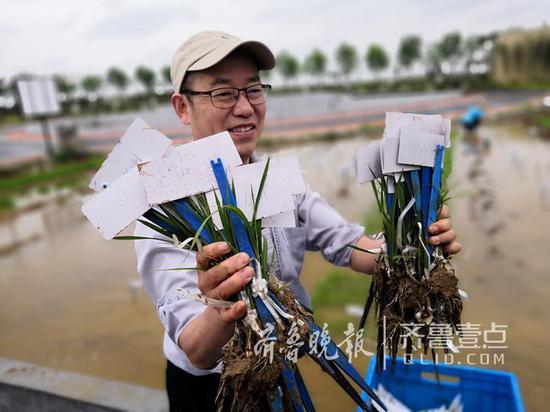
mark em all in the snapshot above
pixel 72 301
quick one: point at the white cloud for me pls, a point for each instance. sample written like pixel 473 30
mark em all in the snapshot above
pixel 140 21
pixel 89 36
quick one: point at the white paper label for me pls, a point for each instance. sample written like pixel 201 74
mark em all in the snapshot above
pixel 447 132
pixel 139 144
pixel 188 171
pixel 395 121
pixel 283 180
pixel 368 162
pixel 111 210
pixel 442 127
pixel 391 165
pixel 418 148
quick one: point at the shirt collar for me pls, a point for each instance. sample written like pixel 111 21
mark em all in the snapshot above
pixel 255 157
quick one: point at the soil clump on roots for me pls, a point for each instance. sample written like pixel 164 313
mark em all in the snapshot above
pixel 405 300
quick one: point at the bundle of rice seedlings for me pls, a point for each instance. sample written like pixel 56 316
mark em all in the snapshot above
pixel 414 285
pixel 259 362
pixel 249 372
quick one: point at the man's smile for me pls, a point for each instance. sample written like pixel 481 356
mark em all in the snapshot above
pixel 242 128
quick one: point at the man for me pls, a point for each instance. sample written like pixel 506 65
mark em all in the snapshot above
pixel 217 87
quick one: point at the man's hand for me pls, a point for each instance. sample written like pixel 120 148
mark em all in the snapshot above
pixel 204 336
pixel 442 233
pixel 225 279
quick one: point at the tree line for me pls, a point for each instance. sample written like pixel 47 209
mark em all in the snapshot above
pixel 438 59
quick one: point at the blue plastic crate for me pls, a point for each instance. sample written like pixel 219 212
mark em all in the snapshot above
pixel 416 386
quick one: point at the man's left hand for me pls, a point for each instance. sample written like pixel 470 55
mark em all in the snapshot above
pixel 442 233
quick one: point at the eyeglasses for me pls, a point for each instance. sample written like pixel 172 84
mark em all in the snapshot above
pixel 226 97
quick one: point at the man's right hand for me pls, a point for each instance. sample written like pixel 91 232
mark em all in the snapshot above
pixel 204 336
pixel 225 279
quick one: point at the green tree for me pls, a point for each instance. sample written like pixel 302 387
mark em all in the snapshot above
pixel 450 48
pixel 287 65
pixel 377 59
pixel 316 63
pixel 118 78
pixel 409 50
pixel 64 86
pixel 165 74
pixel 346 56
pixel 433 61
pixel 146 77
pixel 3 87
pixel 91 84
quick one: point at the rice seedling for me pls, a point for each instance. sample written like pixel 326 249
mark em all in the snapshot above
pixel 414 285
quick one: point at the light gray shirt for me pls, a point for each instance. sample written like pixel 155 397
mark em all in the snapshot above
pixel 319 228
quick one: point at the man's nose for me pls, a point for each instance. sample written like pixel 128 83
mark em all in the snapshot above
pixel 243 106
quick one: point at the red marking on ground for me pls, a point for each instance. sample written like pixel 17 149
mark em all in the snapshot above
pixel 24 135
pixel 300 128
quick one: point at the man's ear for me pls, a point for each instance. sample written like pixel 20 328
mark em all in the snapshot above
pixel 181 106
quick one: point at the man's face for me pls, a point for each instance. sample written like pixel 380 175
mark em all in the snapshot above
pixel 244 121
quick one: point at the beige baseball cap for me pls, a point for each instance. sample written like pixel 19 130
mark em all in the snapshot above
pixel 206 48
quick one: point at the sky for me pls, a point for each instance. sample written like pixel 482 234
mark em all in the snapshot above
pixel 79 37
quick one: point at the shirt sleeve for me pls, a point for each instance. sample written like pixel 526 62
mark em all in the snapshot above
pixel 326 230
pixel 154 259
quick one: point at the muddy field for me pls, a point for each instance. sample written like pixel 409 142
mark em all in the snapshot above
pixel 72 301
